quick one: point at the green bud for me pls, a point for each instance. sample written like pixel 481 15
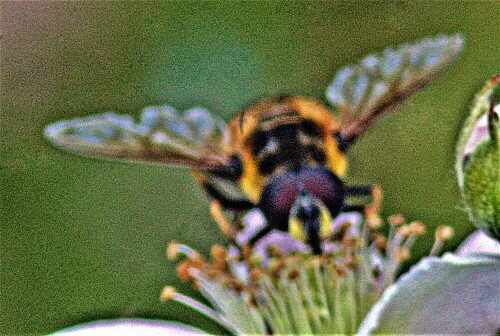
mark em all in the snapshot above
pixel 478 162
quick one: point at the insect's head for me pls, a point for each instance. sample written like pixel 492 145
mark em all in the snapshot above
pixel 310 221
pixel 307 196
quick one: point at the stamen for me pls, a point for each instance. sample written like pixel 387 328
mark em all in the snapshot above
pixel 256 274
pixel 205 310
pixel 402 254
pixel 296 292
pixel 350 243
pixel 404 231
pixel 175 249
pixel 339 271
pixel 321 287
pixel 307 291
pixel 443 233
pixel 247 252
pixel 275 267
pixel 172 251
pixel 351 302
pixel 218 253
pixel 380 241
pixel 396 220
pixel 373 220
pixel 339 312
pixel 183 270
pixel 341 232
pixel 417 228
pixel 377 197
pixel 352 262
pixel 298 311
pixel 273 295
pixel 293 274
pixel 167 293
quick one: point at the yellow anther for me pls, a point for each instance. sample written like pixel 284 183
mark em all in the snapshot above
pixel 396 220
pixel 444 232
pixel 404 231
pixel 172 251
pixel 339 271
pixel 274 251
pixel 167 293
pixel 373 220
pixel 256 274
pixel 293 274
pixel 417 228
pixel 402 254
pixel 218 252
pixel 183 270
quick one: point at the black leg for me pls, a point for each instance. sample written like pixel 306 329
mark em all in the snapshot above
pixel 365 190
pixel 260 235
pixel 344 142
pixel 360 191
pixel 353 207
pixel 226 202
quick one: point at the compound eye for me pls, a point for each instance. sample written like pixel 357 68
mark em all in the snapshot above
pixel 277 199
pixel 324 185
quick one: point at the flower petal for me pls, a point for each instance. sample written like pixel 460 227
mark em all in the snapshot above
pixel 449 295
pixel 479 133
pixel 478 243
pixel 130 327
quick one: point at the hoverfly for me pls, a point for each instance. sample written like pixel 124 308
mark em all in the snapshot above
pixel 285 154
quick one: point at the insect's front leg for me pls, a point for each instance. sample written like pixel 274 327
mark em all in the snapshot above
pixel 360 191
pixel 221 202
pixel 225 201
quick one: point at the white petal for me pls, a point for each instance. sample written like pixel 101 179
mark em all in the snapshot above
pixel 479 133
pixel 281 240
pixel 449 295
pixel 130 327
pixel 478 242
pixel 253 222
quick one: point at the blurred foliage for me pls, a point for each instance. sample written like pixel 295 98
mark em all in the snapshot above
pixel 85 239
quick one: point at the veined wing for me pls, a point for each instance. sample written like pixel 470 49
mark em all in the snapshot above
pixel 162 136
pixel 365 92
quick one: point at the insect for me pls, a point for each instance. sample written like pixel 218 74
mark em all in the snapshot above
pixel 285 154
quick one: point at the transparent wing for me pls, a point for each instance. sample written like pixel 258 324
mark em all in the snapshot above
pixel 162 136
pixel 365 92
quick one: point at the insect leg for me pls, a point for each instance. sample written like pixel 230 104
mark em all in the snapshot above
pixel 344 142
pixel 221 220
pixel 260 235
pixel 353 207
pixel 226 202
pixel 366 190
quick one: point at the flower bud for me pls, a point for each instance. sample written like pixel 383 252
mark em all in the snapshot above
pixel 478 162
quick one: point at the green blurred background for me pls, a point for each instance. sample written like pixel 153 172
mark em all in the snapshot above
pixel 84 239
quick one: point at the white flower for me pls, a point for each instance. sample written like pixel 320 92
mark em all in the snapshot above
pixel 456 294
